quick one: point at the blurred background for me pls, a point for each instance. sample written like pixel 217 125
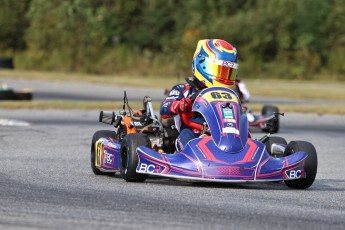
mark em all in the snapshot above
pixel 285 39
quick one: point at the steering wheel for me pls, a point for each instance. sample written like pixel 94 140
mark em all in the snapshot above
pixel 186 119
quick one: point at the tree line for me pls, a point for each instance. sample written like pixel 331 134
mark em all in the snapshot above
pixel 289 39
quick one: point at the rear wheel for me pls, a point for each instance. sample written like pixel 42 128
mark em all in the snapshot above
pixel 98 135
pixel 310 165
pixel 129 157
pixel 269 110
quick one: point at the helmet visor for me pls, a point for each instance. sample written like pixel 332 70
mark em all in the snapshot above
pixel 225 70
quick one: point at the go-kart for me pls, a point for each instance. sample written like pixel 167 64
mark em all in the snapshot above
pixel 224 152
pixel 265 119
pixel 8 93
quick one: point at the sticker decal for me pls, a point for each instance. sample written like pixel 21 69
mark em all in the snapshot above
pixel 108 157
pixel 220 95
pixel 146 168
pixel 227 113
pixel 137 123
pixel 229 120
pixel 230 130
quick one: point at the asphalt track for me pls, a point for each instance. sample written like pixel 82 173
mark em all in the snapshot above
pixel 48 90
pixel 46 182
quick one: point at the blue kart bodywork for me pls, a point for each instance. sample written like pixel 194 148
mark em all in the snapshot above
pixel 227 155
pixel 203 160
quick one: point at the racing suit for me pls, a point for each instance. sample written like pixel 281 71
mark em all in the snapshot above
pixel 169 109
pixel 242 91
pixel 244 95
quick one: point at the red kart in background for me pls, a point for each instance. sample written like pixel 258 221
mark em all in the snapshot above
pixel 266 121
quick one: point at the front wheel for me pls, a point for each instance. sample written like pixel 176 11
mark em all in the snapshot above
pixel 98 135
pixel 310 165
pixel 129 157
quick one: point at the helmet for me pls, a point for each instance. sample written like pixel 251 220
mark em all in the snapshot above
pixel 215 63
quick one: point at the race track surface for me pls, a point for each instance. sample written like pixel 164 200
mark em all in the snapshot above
pixel 54 90
pixel 46 182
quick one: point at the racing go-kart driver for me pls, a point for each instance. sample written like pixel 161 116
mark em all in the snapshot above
pixel 214 64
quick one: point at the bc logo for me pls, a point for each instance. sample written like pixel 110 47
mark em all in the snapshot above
pixel 146 168
pixel 108 157
pixel 294 174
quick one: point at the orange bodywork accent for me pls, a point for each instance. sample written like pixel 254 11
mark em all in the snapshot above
pixel 129 128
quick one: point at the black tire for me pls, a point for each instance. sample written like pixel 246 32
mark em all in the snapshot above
pixel 22 95
pixel 310 165
pixel 268 110
pixel 12 95
pixel 129 158
pixel 274 140
pixel 7 95
pixel 6 63
pixel 99 134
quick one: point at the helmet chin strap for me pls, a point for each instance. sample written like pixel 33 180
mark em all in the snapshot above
pixel 193 81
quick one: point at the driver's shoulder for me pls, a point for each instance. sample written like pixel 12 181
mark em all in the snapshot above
pixel 180 86
pixel 179 89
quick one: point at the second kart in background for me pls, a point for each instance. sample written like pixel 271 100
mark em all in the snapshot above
pixel 8 93
pixel 266 121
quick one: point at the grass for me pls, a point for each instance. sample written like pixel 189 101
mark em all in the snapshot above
pixel 139 81
pixel 268 88
pixel 298 89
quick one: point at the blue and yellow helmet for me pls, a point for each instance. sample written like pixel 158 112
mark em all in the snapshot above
pixel 215 63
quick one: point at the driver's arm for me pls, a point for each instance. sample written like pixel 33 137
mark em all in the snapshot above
pixel 244 91
pixel 175 103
